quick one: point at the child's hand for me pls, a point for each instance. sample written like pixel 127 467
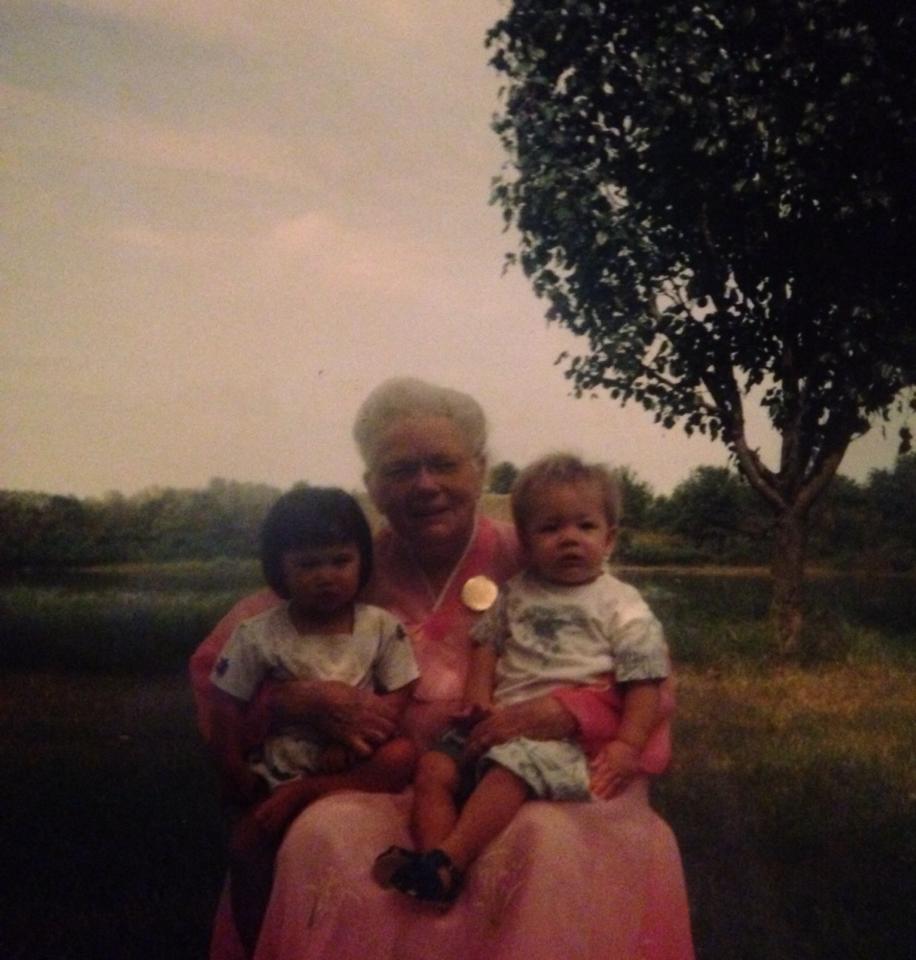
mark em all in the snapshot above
pixel 612 768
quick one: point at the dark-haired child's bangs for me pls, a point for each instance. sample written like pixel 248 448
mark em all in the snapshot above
pixel 313 517
pixel 322 531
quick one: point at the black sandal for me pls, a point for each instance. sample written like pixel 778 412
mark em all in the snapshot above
pixel 391 862
pixel 421 878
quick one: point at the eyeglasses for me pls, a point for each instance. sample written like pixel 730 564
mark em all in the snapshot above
pixel 403 471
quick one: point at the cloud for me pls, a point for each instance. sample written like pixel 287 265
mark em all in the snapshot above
pixel 216 20
pixel 54 124
pixel 250 23
pixel 374 258
pixel 189 245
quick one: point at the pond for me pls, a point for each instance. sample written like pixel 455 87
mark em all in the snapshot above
pixel 150 617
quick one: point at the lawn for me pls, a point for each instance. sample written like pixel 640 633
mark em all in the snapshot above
pixel 110 835
pixel 793 791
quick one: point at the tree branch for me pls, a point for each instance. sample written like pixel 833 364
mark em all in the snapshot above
pixel 724 390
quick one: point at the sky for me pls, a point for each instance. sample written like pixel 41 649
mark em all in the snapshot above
pixel 223 222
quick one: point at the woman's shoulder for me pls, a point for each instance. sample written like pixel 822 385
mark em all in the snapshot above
pixel 499 532
pixel 246 608
pixel 272 617
pixel 496 548
pixel 254 605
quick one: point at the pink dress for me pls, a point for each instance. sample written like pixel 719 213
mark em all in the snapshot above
pixel 583 881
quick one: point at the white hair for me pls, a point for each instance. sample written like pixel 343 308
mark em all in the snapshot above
pixel 401 398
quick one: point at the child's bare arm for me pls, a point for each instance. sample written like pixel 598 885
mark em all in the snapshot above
pixel 640 712
pixel 618 761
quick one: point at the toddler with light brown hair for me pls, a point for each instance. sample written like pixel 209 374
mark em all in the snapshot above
pixel 563 621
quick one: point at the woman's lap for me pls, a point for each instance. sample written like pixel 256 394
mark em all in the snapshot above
pixel 583 881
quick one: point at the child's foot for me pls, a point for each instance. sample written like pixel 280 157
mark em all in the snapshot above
pixel 431 877
pixel 391 862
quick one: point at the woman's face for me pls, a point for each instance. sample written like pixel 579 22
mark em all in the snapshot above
pixel 426 481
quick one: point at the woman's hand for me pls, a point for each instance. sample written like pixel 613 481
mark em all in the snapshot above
pixel 469 715
pixel 542 718
pixel 356 718
pixel 336 758
pixel 613 768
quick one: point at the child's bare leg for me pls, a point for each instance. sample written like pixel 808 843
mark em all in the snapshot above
pixel 434 810
pixel 388 770
pixel 488 811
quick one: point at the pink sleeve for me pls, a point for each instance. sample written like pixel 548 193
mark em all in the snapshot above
pixel 597 713
pixel 596 710
pixel 204 657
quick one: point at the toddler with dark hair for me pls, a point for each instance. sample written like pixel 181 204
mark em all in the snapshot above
pixel 316 553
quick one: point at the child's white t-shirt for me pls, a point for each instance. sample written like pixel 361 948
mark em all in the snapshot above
pixel 549 635
pixel 377 655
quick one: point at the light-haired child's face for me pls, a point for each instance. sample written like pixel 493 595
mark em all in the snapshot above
pixel 567 536
pixel 321 581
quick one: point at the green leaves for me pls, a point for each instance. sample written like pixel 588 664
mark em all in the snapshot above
pixel 704 190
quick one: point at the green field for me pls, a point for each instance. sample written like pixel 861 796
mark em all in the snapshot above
pixel 793 791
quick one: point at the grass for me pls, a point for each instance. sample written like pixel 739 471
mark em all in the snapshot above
pixel 792 793
pixel 131 619
pixel 111 836
pixel 793 796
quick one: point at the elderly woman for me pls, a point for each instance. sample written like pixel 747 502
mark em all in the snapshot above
pixel 596 881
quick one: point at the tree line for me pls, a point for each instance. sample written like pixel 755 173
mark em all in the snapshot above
pixel 711 517
pixel 158 524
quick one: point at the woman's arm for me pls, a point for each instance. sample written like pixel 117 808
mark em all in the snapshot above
pixel 339 757
pixel 397 700
pixel 542 718
pixel 596 711
pixel 240 783
pixel 478 689
pixel 590 715
pixel 359 719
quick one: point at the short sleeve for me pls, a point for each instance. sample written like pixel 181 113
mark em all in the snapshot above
pixel 492 629
pixel 240 668
pixel 205 656
pixel 395 664
pixel 640 651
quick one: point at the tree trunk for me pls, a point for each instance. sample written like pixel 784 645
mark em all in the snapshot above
pixel 788 571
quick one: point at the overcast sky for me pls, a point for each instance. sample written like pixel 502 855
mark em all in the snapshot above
pixel 224 221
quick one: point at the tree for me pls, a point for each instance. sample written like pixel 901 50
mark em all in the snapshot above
pixel 501 477
pixel 841 523
pixel 637 496
pixel 719 196
pixel 714 508
pixel 892 498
